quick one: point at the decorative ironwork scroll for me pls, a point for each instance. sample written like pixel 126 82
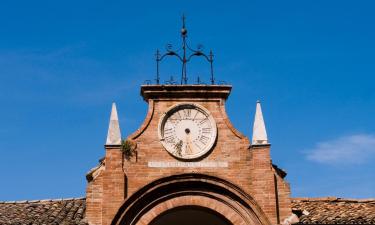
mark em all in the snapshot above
pixel 184 54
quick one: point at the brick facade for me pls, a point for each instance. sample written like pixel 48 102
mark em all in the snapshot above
pixel 118 185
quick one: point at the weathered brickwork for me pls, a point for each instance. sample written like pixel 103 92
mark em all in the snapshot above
pixel 248 167
pixel 94 198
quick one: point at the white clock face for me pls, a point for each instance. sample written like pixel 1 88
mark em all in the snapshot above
pixel 187 131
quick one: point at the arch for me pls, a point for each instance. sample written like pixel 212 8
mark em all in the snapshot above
pixel 193 190
pixel 196 215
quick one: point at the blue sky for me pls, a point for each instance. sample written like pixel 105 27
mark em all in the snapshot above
pixel 311 63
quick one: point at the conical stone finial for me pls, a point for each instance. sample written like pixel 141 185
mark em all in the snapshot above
pixel 259 129
pixel 114 133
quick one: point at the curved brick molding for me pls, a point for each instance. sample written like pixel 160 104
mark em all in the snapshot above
pixel 196 190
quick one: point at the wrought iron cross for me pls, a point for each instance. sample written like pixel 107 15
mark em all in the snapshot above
pixel 184 58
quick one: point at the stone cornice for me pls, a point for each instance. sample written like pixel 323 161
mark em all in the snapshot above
pixel 185 91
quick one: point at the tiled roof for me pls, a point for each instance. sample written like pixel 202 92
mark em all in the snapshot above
pixel 72 211
pixel 59 211
pixel 334 210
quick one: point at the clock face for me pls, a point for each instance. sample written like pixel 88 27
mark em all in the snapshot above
pixel 187 131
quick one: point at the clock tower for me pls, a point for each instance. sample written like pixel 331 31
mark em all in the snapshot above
pixel 187 164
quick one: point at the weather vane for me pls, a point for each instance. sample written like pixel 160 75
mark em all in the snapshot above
pixel 184 54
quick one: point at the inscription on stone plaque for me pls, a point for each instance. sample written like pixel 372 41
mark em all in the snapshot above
pixel 160 164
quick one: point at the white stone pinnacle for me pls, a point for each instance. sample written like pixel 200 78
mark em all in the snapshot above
pixel 259 129
pixel 114 133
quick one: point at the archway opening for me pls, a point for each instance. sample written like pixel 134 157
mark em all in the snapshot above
pixel 190 215
pixel 217 198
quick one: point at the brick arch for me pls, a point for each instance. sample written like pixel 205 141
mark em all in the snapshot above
pixel 194 201
pixel 196 190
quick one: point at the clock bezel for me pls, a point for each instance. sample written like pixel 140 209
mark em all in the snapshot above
pixel 180 106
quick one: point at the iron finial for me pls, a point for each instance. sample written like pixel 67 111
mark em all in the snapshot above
pixel 183 29
pixel 183 56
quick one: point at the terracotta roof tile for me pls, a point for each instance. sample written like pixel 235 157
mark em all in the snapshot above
pixel 333 210
pixel 72 211
pixel 54 212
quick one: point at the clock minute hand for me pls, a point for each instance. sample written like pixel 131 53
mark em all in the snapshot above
pixel 189 148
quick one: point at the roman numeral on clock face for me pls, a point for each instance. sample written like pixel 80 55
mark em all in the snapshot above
pixel 205 120
pixel 204 140
pixel 196 114
pixel 170 139
pixel 168 131
pixel 187 113
pixel 206 130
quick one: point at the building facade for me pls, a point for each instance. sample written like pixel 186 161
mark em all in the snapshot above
pixel 216 169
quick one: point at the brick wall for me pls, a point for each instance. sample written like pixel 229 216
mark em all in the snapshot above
pixel 94 197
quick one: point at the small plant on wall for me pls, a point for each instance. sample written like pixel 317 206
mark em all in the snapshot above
pixel 128 148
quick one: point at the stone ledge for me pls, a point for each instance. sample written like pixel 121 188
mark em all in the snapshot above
pixel 185 91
